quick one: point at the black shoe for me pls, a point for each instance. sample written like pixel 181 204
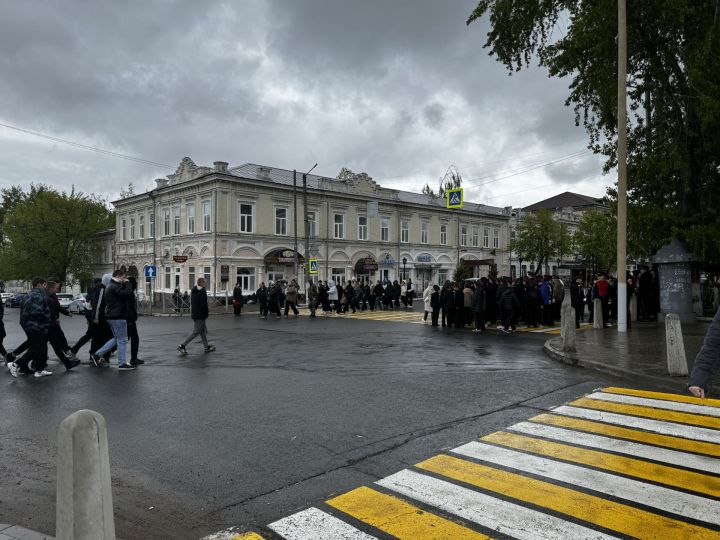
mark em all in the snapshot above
pixel 126 367
pixel 95 359
pixel 71 364
pixel 137 362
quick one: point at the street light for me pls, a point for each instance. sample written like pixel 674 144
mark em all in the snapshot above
pixel 404 263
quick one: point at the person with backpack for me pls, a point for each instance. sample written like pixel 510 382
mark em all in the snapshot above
pixel 117 308
pixel 35 320
pixel 199 311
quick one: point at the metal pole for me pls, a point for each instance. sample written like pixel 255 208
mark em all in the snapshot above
pixel 307 237
pixel 622 169
pixel 295 257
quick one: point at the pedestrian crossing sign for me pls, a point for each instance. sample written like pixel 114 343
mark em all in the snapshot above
pixel 455 198
pixel 313 269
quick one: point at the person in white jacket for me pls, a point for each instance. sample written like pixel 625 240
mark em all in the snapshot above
pixel 427 293
pixel 333 296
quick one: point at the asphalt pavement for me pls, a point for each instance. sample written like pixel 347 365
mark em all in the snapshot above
pixel 285 413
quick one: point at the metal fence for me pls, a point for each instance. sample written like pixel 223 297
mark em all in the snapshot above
pixel 169 304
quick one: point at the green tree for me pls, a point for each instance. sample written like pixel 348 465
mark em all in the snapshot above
pixel 539 238
pixel 673 95
pixel 596 238
pixel 451 180
pixel 462 273
pixel 49 233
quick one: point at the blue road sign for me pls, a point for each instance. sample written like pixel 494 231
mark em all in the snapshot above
pixel 313 266
pixel 455 198
pixel 150 271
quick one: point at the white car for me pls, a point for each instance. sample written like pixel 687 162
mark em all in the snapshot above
pixel 65 299
pixel 79 304
pixel 6 296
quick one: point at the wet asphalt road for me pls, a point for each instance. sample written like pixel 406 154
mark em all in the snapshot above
pixel 283 414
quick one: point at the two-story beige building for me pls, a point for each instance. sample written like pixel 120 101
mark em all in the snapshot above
pixel 238 224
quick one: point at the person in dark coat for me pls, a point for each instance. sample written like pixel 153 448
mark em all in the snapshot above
pixel 491 305
pixel 199 311
pixel 88 318
pixel 35 320
pixel 435 304
pixel 447 304
pixel 117 307
pixel 397 291
pixel 532 305
pixel 508 304
pixel 478 307
pixel 459 305
pixel 707 361
pixel 132 331
pixel 577 299
pixel 261 296
pixel 237 299
pixel 55 336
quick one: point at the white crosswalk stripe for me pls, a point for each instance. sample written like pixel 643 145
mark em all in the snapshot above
pixel 314 524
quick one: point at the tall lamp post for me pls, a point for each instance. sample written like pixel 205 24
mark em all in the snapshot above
pixel 306 230
pixel 404 263
pixel 622 168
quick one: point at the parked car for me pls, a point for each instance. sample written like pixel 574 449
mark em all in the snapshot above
pixel 16 300
pixel 6 296
pixel 65 299
pixel 79 304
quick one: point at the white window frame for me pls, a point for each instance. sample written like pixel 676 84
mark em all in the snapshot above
pixel 475 237
pixel 168 278
pixel 190 211
pixel 207 216
pixel 339 226
pixel 496 238
pixel 132 228
pixel 246 225
pixel 151 222
pixel 337 275
pixel 207 274
pixel 384 229
pixel 312 224
pixel 166 222
pixel 463 235
pixel 191 277
pixel 280 222
pixel 486 237
pixel 405 231
pixel 176 220
pixel 141 226
pixel 424 232
pixel 246 279
pixel 443 234
pixel 362 228
pixel 123 229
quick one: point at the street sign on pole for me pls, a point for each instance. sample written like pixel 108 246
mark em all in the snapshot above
pixel 313 268
pixel 150 271
pixel 454 198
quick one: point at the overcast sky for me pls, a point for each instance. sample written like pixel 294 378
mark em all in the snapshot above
pixel 398 89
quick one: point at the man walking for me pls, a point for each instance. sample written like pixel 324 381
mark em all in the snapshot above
pixel 56 336
pixel 117 307
pixel 35 321
pixel 199 311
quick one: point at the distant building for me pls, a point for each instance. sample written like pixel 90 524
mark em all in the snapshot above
pixel 231 224
pixel 567 209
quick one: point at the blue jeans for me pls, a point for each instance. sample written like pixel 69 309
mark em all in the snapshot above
pixel 119 330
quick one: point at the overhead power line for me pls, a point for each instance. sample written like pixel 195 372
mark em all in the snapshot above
pixel 87 147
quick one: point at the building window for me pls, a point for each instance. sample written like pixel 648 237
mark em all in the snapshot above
pixel 132 228
pixel 339 226
pixel 123 229
pixel 246 218
pixel 190 209
pixel 496 238
pixel 281 221
pixel 338 275
pixel 206 274
pixel 475 237
pixel 178 278
pixel 362 228
pixel 191 276
pixel 443 234
pixel 152 225
pixel 166 222
pixel 206 216
pixel 176 219
pixel 246 278
pixel 168 278
pixel 312 224
pixel 141 226
pixel 424 232
pixel 442 276
pixel 385 229
pixel 463 235
pixel 486 238
pixel 512 234
pixel 405 230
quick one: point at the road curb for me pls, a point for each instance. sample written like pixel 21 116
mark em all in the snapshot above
pixel 553 348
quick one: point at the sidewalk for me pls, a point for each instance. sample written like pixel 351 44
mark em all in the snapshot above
pixel 639 354
pixel 16 532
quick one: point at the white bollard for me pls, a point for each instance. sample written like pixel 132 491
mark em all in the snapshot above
pixel 633 308
pixel 677 363
pixel 567 329
pixel 597 313
pixel 84 497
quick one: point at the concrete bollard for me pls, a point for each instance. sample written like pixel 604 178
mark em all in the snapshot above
pixel 633 308
pixel 597 313
pixel 677 363
pixel 567 330
pixel 84 497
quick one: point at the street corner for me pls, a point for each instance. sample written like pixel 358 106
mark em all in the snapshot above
pixel 617 462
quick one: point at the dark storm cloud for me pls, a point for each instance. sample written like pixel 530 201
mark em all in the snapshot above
pixel 398 89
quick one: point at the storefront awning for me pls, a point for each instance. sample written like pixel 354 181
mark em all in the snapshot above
pixel 283 256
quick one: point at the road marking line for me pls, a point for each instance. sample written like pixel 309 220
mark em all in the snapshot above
pixel 661 395
pixel 648 412
pixel 502 516
pixel 247 536
pixel 398 518
pixel 703 463
pixel 644 470
pixel 662 498
pixel 658 426
pixel 656 403
pixel 612 515
pixel 314 524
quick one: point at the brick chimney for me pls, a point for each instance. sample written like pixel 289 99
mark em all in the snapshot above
pixel 221 166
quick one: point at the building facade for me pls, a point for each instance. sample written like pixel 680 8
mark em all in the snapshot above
pixel 238 224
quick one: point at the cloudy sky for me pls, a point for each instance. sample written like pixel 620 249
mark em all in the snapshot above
pixel 400 89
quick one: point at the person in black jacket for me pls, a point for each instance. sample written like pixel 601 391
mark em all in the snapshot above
pixel 707 361
pixel 577 299
pixel 478 307
pixel 132 326
pixel 447 304
pixel 117 307
pixel 199 311
pixel 508 305
pixel 435 304
pixel 55 336
pixel 261 297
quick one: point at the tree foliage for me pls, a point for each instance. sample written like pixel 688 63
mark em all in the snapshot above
pixel 49 233
pixel 596 238
pixel 539 238
pixel 451 180
pixel 462 273
pixel 673 95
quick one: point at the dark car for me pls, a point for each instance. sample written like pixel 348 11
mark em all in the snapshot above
pixel 16 301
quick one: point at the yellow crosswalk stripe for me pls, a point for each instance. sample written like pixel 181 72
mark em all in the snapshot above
pixel 247 536
pixel 648 412
pixel 611 515
pixel 664 396
pixel 700 483
pixel 398 518
pixel 667 441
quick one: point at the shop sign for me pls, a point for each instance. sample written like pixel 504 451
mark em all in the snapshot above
pixel 369 264
pixel 282 256
pixel 180 258
pixel 387 261
pixel 424 258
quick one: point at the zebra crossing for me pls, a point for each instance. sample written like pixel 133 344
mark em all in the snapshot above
pixel 616 463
